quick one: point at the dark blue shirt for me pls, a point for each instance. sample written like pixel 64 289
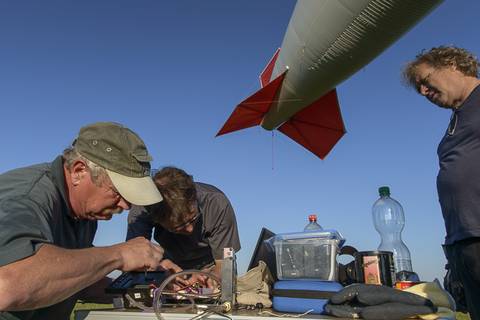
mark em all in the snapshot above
pixel 458 181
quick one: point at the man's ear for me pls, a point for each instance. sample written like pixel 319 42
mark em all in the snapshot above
pixel 78 171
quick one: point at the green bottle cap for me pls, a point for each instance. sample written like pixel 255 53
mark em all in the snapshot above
pixel 384 191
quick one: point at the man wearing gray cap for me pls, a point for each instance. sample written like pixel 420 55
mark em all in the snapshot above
pixel 48 219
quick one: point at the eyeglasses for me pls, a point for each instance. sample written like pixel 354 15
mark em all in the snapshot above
pixel 453 124
pixel 187 223
pixel 423 81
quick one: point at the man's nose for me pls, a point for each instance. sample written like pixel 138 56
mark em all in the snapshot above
pixel 189 228
pixel 423 90
pixel 124 204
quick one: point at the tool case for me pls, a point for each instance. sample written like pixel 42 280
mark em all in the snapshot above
pixel 299 296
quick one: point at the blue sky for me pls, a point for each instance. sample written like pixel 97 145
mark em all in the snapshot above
pixel 174 70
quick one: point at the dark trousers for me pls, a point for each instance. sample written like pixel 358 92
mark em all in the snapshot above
pixel 464 259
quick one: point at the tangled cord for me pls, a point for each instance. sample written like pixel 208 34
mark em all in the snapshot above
pixel 191 293
pixel 261 311
pixel 284 315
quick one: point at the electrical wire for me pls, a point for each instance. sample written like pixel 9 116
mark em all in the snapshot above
pixel 189 293
pixel 286 315
pixel 137 304
pixel 207 314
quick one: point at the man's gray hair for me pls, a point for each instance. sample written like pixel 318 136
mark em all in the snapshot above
pixel 97 173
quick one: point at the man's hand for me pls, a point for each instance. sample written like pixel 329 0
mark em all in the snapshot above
pixel 139 254
pixel 185 281
pixel 180 281
pixel 201 280
pixel 168 265
pixel 204 280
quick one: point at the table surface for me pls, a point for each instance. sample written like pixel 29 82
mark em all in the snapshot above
pixel 134 314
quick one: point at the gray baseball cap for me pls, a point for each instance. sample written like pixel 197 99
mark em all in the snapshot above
pixel 124 156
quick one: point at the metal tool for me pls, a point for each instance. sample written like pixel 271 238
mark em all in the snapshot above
pixel 229 276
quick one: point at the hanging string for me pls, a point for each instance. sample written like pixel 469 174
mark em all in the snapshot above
pixel 273 135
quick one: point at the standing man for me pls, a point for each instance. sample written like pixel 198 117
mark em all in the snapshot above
pixel 48 219
pixel 448 77
pixel 193 223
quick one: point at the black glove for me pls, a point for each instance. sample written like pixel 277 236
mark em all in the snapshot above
pixel 372 294
pixel 385 311
pixel 375 302
pixel 394 311
pixel 343 310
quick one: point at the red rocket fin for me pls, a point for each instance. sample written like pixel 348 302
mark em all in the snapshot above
pixel 317 127
pixel 267 71
pixel 251 111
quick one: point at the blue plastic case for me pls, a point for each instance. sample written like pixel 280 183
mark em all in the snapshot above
pixel 299 296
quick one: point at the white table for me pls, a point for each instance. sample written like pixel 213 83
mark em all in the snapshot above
pixel 122 314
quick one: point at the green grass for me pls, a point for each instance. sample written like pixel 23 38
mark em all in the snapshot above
pixel 462 316
pixel 89 306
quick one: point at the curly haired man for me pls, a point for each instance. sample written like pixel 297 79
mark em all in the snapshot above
pixel 448 77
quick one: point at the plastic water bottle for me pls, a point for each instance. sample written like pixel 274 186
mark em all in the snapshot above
pixel 312 264
pixel 389 220
pixel 312 223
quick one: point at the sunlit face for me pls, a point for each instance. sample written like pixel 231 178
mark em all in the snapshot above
pixel 94 202
pixel 104 201
pixel 441 86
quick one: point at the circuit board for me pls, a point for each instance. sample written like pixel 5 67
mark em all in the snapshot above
pixel 138 285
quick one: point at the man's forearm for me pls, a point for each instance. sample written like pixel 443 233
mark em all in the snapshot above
pixel 52 275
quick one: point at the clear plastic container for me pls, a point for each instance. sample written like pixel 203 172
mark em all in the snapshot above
pixel 307 255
